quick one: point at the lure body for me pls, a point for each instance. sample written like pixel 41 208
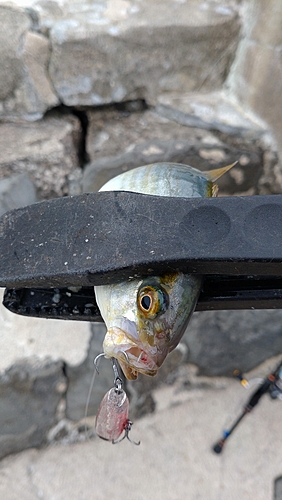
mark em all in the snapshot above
pixel 112 415
pixel 146 318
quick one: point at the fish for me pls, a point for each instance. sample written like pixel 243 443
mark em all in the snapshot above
pixel 147 317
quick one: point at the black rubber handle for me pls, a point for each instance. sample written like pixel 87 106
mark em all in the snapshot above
pixel 100 238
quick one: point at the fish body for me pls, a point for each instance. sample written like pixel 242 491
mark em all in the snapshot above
pixel 163 179
pixel 146 318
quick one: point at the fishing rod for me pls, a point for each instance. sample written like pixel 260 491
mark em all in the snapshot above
pixel 272 384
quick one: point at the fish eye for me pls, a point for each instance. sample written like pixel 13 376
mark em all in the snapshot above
pixel 146 302
pixel 152 301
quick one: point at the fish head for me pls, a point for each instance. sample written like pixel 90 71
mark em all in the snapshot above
pixel 146 319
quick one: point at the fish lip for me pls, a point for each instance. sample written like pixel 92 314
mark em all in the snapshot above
pixel 128 352
pixel 143 359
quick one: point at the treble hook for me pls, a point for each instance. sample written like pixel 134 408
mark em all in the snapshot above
pixel 127 429
pixel 115 409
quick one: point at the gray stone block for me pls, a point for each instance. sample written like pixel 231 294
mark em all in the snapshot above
pixel 47 150
pixel 15 192
pixel 30 393
pixel 113 51
pixel 16 24
pixel 256 75
pixel 221 341
pixel 278 489
pixel 211 111
pixel 25 88
pixel 119 141
pixel 219 113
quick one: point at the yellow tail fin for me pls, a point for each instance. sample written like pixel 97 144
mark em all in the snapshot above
pixel 216 173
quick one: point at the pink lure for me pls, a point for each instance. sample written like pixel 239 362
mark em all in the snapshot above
pixel 112 415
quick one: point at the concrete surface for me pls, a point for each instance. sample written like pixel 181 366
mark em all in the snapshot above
pixel 24 337
pixel 174 460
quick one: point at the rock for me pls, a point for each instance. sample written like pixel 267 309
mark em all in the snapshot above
pixel 211 111
pixel 30 394
pixel 46 150
pixel 278 489
pixel 79 379
pixel 218 112
pixel 221 341
pixel 271 180
pixel 258 57
pixel 149 138
pixel 116 50
pixel 35 56
pixel 25 88
pixel 15 192
pixel 16 24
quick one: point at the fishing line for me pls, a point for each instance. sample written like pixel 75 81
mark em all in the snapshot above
pixel 114 406
pixel 96 363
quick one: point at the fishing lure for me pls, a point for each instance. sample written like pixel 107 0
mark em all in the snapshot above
pixel 112 416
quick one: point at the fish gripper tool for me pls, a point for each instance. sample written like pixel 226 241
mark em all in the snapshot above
pixel 53 252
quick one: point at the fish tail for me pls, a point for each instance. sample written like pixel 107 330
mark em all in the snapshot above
pixel 213 175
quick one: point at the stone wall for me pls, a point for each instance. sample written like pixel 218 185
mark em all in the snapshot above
pixel 90 89
pixel 256 75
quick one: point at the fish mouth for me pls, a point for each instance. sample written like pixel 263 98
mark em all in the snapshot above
pixel 132 357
